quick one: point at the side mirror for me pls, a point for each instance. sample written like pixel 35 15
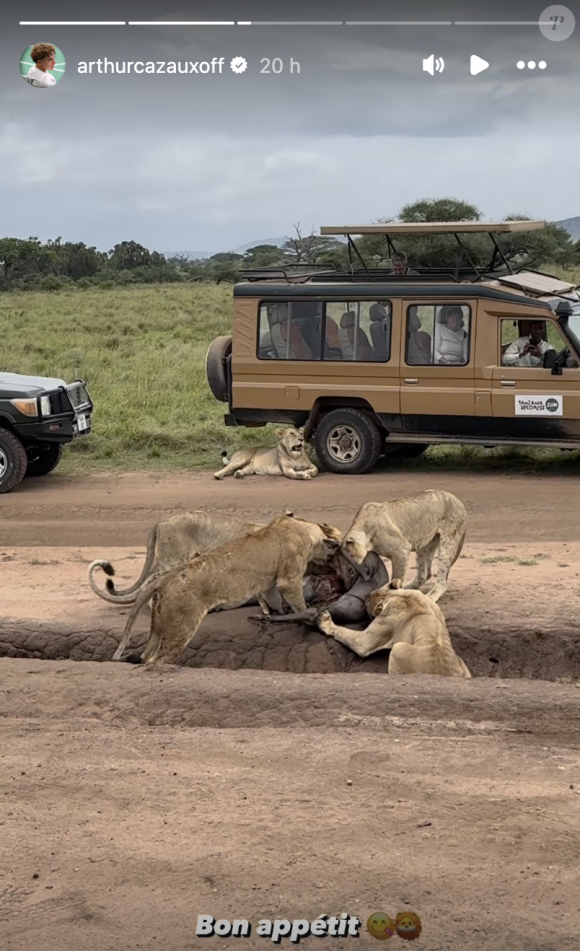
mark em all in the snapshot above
pixel 550 362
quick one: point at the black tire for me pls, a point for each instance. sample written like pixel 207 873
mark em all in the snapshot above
pixel 43 458
pixel 215 367
pixel 347 442
pixel 13 461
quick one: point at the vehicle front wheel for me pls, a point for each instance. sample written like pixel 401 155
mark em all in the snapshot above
pixel 45 458
pixel 347 441
pixel 12 461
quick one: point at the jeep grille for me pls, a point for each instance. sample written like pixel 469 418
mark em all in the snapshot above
pixel 77 393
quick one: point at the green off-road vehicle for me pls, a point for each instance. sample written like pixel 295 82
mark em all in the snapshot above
pixel 38 415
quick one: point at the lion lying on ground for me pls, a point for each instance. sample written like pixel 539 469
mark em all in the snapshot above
pixel 173 542
pixel 274 556
pixel 430 523
pixel 410 625
pixel 288 458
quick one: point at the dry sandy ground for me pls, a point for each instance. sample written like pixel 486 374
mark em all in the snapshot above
pixel 132 800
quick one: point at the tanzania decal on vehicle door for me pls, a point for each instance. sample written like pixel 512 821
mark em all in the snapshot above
pixel 539 405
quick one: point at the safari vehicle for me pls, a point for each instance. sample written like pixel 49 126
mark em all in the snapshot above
pixel 372 363
pixel 37 416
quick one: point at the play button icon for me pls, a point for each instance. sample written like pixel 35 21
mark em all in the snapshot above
pixel 477 65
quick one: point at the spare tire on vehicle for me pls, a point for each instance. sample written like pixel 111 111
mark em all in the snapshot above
pixel 215 367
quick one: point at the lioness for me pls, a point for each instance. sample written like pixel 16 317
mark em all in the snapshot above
pixel 288 458
pixel 173 542
pixel 411 625
pixel 275 556
pixel 429 523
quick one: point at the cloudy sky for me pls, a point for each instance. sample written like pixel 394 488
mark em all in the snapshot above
pixel 206 163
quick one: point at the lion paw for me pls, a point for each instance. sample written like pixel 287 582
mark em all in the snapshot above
pixel 238 475
pixel 324 622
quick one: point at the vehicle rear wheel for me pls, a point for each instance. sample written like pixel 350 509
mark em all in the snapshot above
pixel 347 441
pixel 13 461
pixel 45 458
pixel 215 367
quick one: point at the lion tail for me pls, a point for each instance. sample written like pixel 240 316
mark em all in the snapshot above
pixel 143 597
pixel 225 459
pixel 110 594
pixel 126 595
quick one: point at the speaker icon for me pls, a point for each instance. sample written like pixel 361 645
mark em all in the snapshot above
pixel 432 65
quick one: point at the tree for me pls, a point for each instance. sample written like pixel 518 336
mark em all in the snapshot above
pixel 77 260
pixel 130 254
pixel 524 248
pixel 263 255
pixel 439 209
pixel 20 257
pixel 313 249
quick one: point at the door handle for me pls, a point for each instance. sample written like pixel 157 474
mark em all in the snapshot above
pixel 407 380
pixel 508 382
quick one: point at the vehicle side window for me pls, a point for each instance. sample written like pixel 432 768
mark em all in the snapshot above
pixel 358 331
pixel 438 334
pixel 290 330
pixel 524 342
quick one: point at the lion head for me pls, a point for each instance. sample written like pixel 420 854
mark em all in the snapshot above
pixel 408 925
pixel 291 441
pixel 356 545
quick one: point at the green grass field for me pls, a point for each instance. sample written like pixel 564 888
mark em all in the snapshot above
pixel 142 351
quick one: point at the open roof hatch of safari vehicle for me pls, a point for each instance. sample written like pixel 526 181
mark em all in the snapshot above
pixel 465 268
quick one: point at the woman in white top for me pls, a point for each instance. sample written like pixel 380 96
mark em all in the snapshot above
pixel 44 57
pixel 451 342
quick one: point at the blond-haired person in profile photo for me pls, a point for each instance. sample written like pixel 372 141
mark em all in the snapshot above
pixel 44 58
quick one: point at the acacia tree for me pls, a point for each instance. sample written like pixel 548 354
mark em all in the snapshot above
pixel 313 249
pixel 524 249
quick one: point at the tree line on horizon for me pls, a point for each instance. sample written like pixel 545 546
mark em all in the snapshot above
pixel 30 264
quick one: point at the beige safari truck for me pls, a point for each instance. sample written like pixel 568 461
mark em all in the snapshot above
pixel 374 363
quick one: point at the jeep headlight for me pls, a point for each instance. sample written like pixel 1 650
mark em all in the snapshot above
pixel 45 407
pixel 26 407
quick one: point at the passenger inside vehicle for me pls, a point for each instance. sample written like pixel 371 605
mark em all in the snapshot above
pixel 418 341
pixel 451 339
pixel 528 350
pixel 400 264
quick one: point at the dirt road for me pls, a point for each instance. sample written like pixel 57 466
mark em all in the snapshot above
pixel 120 509
pixel 133 801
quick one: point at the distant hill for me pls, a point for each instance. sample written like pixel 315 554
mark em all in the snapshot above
pixel 572 225
pixel 196 255
pixel 277 242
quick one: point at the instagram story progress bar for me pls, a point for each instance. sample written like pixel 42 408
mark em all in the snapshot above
pixel 556 22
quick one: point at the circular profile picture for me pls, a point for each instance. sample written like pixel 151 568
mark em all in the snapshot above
pixel 42 65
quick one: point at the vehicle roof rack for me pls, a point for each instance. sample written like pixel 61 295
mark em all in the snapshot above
pixel 436 227
pixel 290 273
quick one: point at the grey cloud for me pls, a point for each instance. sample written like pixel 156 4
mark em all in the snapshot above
pixel 201 162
